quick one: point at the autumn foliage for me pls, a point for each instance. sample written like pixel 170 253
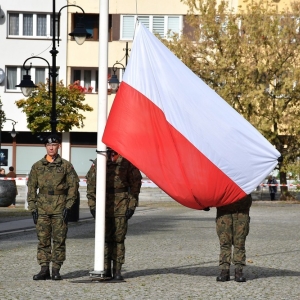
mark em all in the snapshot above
pixel 69 104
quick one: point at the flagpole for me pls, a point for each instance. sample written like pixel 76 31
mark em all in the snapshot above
pixel 101 148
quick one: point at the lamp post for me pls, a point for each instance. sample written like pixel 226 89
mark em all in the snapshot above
pixel 114 81
pixel 27 86
pixel 13 132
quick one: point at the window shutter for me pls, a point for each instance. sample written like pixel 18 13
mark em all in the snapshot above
pixel 159 25
pixel 116 19
pixel 128 27
pixel 144 20
pixel 173 24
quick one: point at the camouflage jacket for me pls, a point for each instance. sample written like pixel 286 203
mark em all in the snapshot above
pixel 243 205
pixel 119 175
pixel 58 177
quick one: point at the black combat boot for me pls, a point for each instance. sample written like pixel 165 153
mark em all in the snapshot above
pixel 239 276
pixel 55 274
pixel 43 274
pixel 224 276
pixel 107 268
pixel 117 271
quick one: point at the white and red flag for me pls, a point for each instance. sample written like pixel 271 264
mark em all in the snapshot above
pixel 181 133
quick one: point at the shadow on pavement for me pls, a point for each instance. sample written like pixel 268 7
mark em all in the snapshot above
pixel 250 272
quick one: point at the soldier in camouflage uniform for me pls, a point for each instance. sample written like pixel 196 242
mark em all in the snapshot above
pixel 232 224
pixel 52 190
pixel 123 183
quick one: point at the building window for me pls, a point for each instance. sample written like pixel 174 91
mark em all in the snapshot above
pixel 13 24
pixel 15 75
pixel 30 25
pixel 88 78
pixel 76 75
pixel 12 77
pixel 41 25
pixel 39 75
pixel 91 24
pixel 160 25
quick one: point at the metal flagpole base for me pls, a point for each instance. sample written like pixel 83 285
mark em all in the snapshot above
pixel 98 276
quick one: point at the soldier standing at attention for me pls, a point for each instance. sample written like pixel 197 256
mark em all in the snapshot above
pixel 232 224
pixel 52 190
pixel 123 183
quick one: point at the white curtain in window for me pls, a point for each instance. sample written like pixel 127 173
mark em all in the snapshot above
pixel 159 25
pixel 28 24
pixel 173 24
pixel 128 27
pixel 40 75
pixel 13 24
pixel 41 25
pixel 87 78
pixel 11 78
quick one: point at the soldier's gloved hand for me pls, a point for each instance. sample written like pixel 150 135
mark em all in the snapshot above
pixel 65 214
pixel 35 216
pixel 129 213
pixel 93 212
pixel 206 209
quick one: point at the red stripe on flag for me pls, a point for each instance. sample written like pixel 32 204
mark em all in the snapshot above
pixel 139 131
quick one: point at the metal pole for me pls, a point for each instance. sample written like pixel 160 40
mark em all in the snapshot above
pixel 126 54
pixel 53 72
pixel 0 134
pixel 101 157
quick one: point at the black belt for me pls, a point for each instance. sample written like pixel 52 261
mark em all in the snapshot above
pixel 47 192
pixel 114 191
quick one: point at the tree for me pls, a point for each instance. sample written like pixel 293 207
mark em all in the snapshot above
pixel 251 59
pixel 69 101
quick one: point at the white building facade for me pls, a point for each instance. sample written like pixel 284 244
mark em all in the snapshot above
pixel 25 31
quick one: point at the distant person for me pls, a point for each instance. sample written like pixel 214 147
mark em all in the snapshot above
pixel 12 174
pixel 272 188
pixel 232 225
pixel 2 172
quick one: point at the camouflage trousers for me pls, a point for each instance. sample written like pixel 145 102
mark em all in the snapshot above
pixel 51 228
pixel 115 233
pixel 232 230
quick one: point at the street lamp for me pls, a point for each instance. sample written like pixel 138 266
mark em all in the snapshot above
pixel 13 133
pixel 114 81
pixel 27 86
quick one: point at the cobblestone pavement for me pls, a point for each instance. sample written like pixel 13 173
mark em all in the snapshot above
pixel 171 253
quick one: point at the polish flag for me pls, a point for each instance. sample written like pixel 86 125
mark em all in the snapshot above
pixel 181 133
